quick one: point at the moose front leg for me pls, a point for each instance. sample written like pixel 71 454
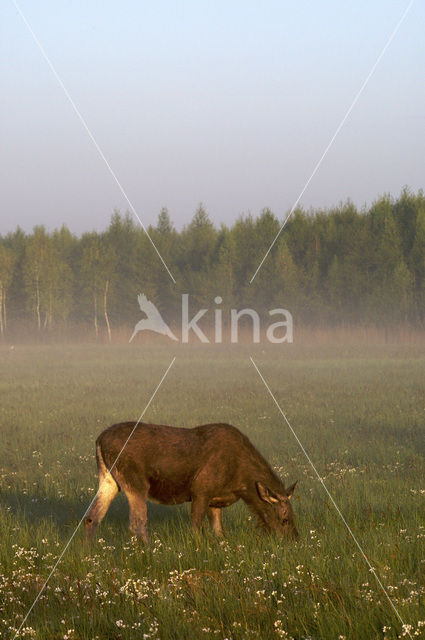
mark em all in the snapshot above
pixel 215 519
pixel 199 510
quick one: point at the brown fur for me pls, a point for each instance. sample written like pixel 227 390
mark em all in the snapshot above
pixel 212 466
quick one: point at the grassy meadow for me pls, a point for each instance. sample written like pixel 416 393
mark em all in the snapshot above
pixel 359 412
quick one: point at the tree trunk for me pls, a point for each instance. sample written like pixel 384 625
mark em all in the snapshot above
pixel 1 312
pixel 105 309
pixel 96 328
pixel 37 305
pixel 4 310
pixel 50 309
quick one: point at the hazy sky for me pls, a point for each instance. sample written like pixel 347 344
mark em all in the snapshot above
pixel 228 102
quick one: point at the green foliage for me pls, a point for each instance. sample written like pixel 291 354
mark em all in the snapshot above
pixel 98 265
pixel 48 279
pixel 337 266
pixel 7 260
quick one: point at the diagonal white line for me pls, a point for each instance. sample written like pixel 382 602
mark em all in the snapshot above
pixel 405 628
pixel 91 503
pixel 341 124
pixel 90 134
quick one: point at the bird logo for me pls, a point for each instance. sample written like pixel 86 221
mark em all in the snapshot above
pixel 153 320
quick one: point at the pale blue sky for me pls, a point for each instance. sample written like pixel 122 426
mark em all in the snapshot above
pixel 229 102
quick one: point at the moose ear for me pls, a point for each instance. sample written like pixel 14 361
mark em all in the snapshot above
pixel 265 494
pixel 290 490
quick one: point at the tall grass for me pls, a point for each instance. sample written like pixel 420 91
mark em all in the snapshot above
pixel 360 414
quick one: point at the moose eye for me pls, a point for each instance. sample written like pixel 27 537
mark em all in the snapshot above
pixel 285 520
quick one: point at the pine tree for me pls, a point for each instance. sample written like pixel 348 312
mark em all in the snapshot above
pixel 390 285
pixel 418 262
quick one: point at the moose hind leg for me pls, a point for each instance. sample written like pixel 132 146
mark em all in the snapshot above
pixel 107 491
pixel 138 515
pixel 215 519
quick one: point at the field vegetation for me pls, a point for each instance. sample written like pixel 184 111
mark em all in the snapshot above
pixel 359 412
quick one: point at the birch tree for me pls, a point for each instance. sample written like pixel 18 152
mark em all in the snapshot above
pixel 34 269
pixel 47 279
pixel 98 267
pixel 6 273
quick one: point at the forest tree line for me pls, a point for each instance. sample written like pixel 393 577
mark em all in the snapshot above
pixel 341 265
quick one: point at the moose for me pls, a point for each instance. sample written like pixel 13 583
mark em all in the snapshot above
pixel 212 466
